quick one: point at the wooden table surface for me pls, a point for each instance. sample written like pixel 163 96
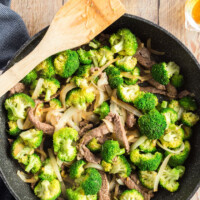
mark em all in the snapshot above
pixel 169 14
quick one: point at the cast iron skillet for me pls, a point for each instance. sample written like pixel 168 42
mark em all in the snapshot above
pixel 161 40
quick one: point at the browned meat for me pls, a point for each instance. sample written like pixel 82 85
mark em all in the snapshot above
pixel 156 84
pixel 104 192
pixel 104 38
pixel 46 128
pixel 94 69
pixel 83 123
pixel 19 87
pixel 84 129
pixel 130 120
pixel 152 90
pixel 143 57
pixel 171 90
pixel 120 132
pixel 184 93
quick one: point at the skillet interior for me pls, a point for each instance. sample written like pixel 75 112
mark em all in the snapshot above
pixel 161 40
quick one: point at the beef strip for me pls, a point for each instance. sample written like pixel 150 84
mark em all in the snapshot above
pixel 184 93
pixel 130 120
pixel 104 193
pixel 171 91
pixel 19 87
pixel 84 129
pixel 120 132
pixel 152 90
pixel 156 84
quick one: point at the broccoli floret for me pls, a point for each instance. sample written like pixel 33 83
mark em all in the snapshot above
pixel 94 44
pixel 169 178
pixel 115 81
pixel 112 71
pixel 146 101
pixel 79 98
pixel 47 171
pixel 189 119
pixel 84 71
pixel 104 55
pixel 174 104
pixel 152 124
pixel 46 68
pixel 84 56
pixel 94 146
pixel 171 116
pixel 32 137
pixel 102 110
pixel 162 72
pixel 146 161
pixel 123 42
pixel 13 128
pixel 121 167
pixel 126 63
pixel 147 178
pixel 63 143
pixel 80 82
pixel 21 152
pixel 128 93
pixel 188 103
pixel 187 132
pixel 148 146
pixel 90 182
pixel 76 169
pixel 135 72
pixel 106 166
pixel 66 63
pixel 177 80
pixel 179 159
pixel 17 105
pixel 173 136
pixel 30 77
pixel 131 195
pixel 34 164
pixel 111 149
pixel 55 103
pixel 48 190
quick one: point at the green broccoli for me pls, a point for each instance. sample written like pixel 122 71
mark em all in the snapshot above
pixel 171 116
pixel 102 110
pixel 145 101
pixel 84 71
pixel 121 166
pixel 169 178
pixel 34 164
pixel 152 124
pixel 112 71
pixel 66 63
pixel 20 151
pixel 135 72
pixel 128 93
pixel 55 103
pixel 131 195
pixel 173 136
pixel 148 146
pixel 123 42
pixel 46 68
pixel 84 56
pixel 94 146
pixel 111 149
pixel 80 82
pixel 76 169
pixel 30 77
pixel 94 44
pixel 162 72
pixel 47 171
pixel 63 143
pixel 174 104
pixel 106 166
pixel 126 63
pixel 17 105
pixel 79 98
pixel 147 178
pixel 48 190
pixel 179 159
pixel 13 128
pixel 115 81
pixel 188 103
pixel 189 119
pixel 32 137
pixel 177 80
pixel 104 55
pixel 146 161
pixel 187 132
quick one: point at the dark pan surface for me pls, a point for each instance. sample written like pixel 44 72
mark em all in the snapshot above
pixel 175 51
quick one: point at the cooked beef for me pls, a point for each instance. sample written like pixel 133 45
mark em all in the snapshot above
pixel 152 90
pixel 184 93
pixel 84 129
pixel 156 84
pixel 130 120
pixel 19 87
pixel 171 91
pixel 104 193
pixel 94 69
pixel 120 132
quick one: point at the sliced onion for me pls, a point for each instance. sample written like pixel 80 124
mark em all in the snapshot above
pixel 27 124
pixel 100 98
pixel 90 116
pixel 102 81
pixel 119 181
pixel 134 132
pixel 73 125
pixel 59 162
pixel 36 92
pixel 64 92
pixel 109 125
pixel 171 151
pixel 94 165
pixel 122 113
pixel 112 184
pixel 126 106
pixel 160 172
pixel 20 124
pixel 138 142
pixel 108 90
pixel 40 151
pixel 98 89
pixel 141 78
pixel 26 178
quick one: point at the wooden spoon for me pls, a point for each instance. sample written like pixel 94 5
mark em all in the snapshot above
pixel 76 23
